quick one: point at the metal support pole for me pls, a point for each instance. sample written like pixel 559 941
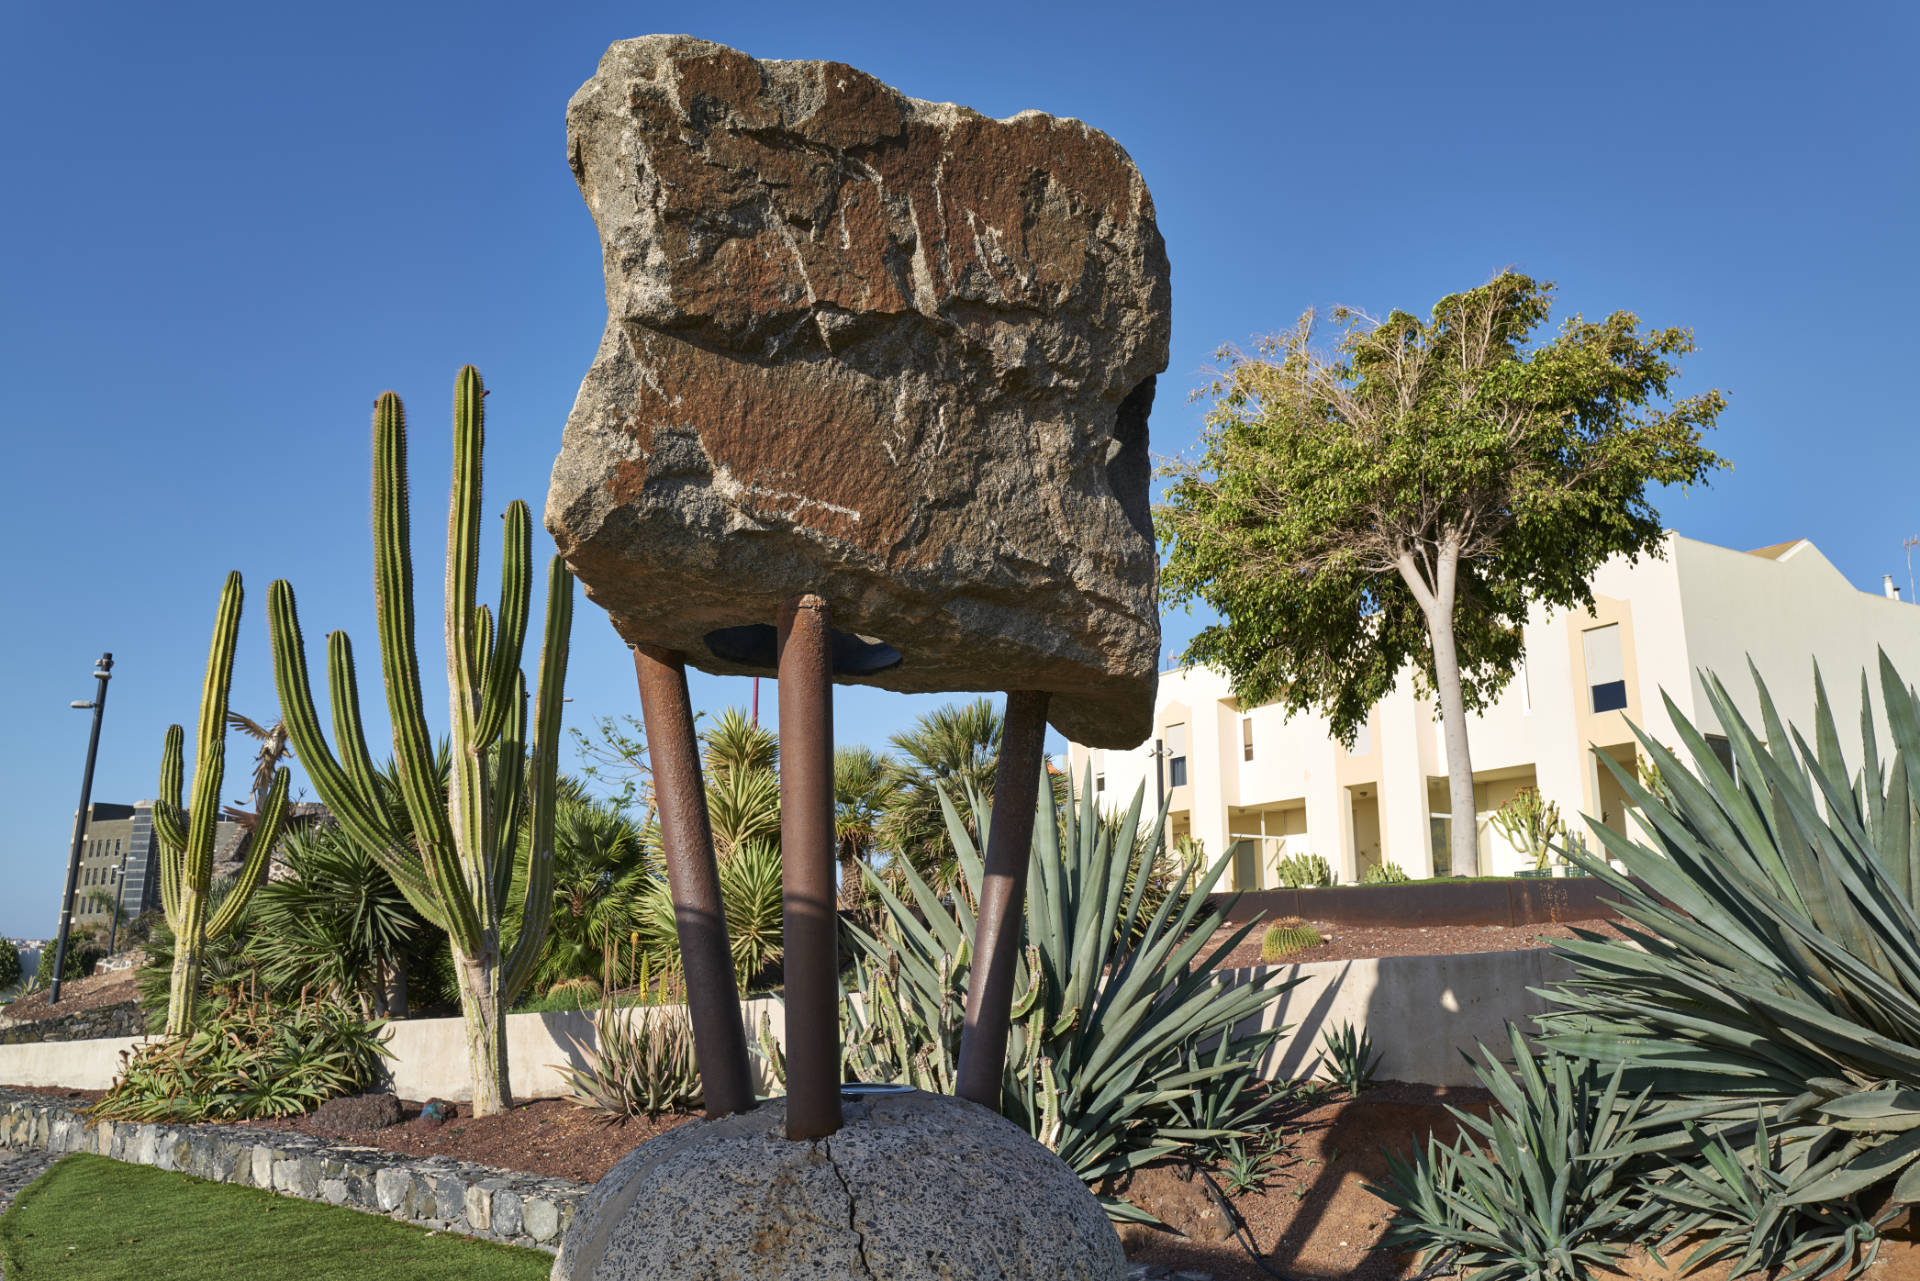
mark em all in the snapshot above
pixel 809 921
pixel 1003 897
pixel 686 839
pixel 103 672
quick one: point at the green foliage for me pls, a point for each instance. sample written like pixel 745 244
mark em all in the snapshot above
pixel 186 836
pixel 1530 823
pixel 84 951
pixel 750 894
pixel 1243 1165
pixel 1284 938
pixel 337 928
pixel 457 864
pixel 1385 874
pixel 952 751
pixel 865 787
pixel 1350 1058
pixel 1403 500
pixel 1320 473
pixel 602 869
pixel 9 964
pixel 1773 954
pixel 108 1220
pixel 1737 1205
pixel 1307 871
pixel 641 1064
pixel 1533 1191
pixel 1103 1064
pixel 250 1059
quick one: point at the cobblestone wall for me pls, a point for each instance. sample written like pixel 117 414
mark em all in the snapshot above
pixel 87 1025
pixel 430 1192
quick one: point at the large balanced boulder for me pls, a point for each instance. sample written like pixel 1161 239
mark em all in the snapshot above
pixel 891 352
pixel 913 1187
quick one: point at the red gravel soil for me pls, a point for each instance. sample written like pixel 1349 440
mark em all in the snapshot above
pixel 1358 942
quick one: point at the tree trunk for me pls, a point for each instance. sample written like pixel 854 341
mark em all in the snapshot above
pixel 188 939
pixel 484 1014
pixel 1436 603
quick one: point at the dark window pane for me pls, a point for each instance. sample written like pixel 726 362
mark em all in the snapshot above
pixel 1177 772
pixel 1610 697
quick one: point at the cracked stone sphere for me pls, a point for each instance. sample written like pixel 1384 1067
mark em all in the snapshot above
pixel 913 1186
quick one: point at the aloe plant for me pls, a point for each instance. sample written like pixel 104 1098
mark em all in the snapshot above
pixel 1772 967
pixel 187 834
pixel 459 865
pixel 1121 1020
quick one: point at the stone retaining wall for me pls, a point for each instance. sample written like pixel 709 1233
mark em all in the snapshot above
pixel 125 1019
pixel 430 1192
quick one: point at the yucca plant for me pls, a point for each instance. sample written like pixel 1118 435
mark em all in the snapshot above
pixel 186 835
pixel 1772 966
pixel 1534 1191
pixel 750 894
pixel 456 865
pixel 1350 1057
pixel 1112 1005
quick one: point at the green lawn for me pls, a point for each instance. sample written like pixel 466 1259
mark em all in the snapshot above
pixel 106 1220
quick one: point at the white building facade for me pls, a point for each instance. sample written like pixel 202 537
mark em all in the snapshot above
pixel 1268 785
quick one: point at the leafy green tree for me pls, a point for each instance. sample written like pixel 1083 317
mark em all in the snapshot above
pixel 1401 500
pixel 956 748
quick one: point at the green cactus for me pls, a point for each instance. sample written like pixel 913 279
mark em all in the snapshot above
pixel 460 867
pixel 186 836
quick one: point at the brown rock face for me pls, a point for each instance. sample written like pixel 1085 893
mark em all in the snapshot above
pixel 889 351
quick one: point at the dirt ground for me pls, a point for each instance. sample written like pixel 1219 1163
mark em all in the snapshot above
pixel 95 992
pixel 1356 942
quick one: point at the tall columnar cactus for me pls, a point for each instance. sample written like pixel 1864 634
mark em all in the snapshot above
pixel 459 867
pixel 186 836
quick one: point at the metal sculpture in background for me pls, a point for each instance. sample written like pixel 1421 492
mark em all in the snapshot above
pixel 871 407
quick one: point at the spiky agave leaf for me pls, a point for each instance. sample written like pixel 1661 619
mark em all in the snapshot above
pixel 1775 967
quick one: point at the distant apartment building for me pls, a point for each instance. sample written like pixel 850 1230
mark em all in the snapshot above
pixel 1267 785
pixel 119 861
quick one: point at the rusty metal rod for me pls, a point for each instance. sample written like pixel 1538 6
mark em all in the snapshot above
pixel 686 838
pixel 809 923
pixel 1003 898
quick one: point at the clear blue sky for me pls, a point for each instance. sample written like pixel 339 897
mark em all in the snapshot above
pixel 228 227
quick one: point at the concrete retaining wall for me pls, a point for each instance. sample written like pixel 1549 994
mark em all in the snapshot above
pixel 1422 1012
pixel 431 1192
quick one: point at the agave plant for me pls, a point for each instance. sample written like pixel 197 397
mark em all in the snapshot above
pixel 1537 1190
pixel 1735 1205
pixel 1773 961
pixel 1119 1015
pixel 641 1064
pixel 1350 1058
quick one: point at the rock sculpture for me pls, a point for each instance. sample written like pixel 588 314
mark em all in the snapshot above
pixel 892 352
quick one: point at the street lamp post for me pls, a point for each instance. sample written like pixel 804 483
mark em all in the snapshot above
pixel 103 672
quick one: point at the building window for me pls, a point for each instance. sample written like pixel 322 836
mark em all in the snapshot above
pixel 1246 738
pixel 1606 676
pixel 1176 756
pixel 1362 740
pixel 1099 783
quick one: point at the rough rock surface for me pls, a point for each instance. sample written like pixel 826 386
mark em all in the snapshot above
pixel 357 1114
pixel 914 1186
pixel 893 352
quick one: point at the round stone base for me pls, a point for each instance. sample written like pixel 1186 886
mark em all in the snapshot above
pixel 913 1186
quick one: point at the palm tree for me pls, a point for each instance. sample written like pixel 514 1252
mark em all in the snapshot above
pixel 601 868
pixel 864 789
pixel 954 749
